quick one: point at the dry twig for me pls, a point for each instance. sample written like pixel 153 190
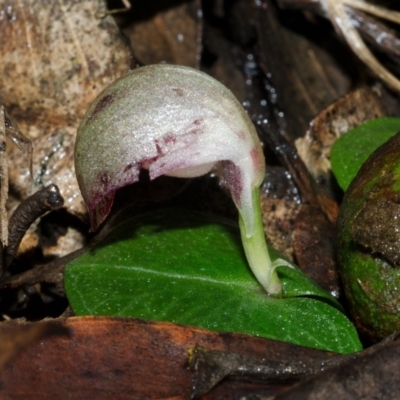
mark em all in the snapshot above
pixel 336 12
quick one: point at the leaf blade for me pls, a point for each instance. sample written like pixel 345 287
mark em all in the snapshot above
pixel 146 269
pixel 352 149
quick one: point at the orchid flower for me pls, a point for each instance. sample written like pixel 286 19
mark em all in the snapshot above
pixel 180 122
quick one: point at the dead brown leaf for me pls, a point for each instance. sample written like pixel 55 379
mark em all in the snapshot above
pixel 280 204
pixel 56 57
pixel 306 74
pixel 373 376
pixel 170 36
pixel 313 243
pixel 16 337
pixel 354 109
pixel 129 359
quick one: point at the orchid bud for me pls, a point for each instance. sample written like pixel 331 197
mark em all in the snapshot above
pixel 175 121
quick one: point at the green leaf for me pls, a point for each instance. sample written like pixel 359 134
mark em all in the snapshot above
pixel 352 149
pixel 184 267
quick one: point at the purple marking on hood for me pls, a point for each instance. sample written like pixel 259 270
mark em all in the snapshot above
pixel 146 162
pixel 100 201
pixel 256 159
pixel 102 103
pixel 99 208
pixel 233 178
pixel 130 166
pixel 104 179
pixel 158 148
pixel 195 127
pixel 169 138
pixel 178 91
pixel 241 135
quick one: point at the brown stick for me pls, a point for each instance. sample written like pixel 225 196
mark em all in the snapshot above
pixel 3 179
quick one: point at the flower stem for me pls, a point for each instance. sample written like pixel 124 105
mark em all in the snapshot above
pixel 256 250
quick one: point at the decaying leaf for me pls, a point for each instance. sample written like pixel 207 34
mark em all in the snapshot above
pixel 318 378
pixel 305 75
pixel 56 57
pixel 357 107
pixel 345 16
pixel 170 35
pixel 130 359
pixel 280 204
pixel 313 245
pixel 16 337
pixel 374 376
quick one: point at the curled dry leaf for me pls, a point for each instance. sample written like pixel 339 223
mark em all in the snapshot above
pixel 354 109
pixel 56 57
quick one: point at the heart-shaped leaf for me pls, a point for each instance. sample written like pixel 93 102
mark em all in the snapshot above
pixel 184 267
pixel 352 149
